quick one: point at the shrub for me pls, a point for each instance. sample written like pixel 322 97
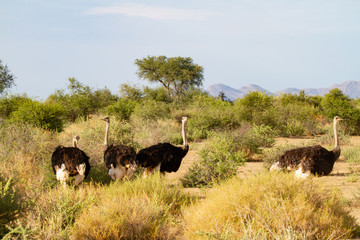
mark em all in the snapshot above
pixel 269 206
pixel 255 107
pixel 46 116
pixel 157 94
pixel 80 101
pixel 335 103
pixel 122 109
pixel 251 139
pixel 152 110
pixel 208 114
pixel 9 104
pixel 10 205
pixel 140 209
pixel 219 160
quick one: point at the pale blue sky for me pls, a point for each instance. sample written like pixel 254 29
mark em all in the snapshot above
pixel 272 43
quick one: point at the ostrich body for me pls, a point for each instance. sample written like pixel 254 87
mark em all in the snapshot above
pixel 120 160
pixel 310 160
pixel 70 161
pixel 163 157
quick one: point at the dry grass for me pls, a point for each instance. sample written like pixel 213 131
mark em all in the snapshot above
pixel 138 209
pixel 25 151
pixel 269 206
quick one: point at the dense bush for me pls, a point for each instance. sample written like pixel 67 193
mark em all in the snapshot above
pixel 335 103
pixel 251 139
pixel 46 116
pixel 152 110
pixel 255 107
pixel 219 160
pixel 10 205
pixel 80 101
pixel 10 103
pixel 122 109
pixel 269 206
pixel 208 114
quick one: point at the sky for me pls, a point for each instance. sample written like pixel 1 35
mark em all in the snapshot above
pixel 275 44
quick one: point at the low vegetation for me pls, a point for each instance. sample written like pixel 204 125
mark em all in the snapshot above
pixel 229 133
pixel 269 206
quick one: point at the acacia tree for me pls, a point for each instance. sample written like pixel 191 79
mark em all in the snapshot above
pixel 6 78
pixel 177 74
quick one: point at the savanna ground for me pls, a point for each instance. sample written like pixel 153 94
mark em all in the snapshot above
pixel 344 176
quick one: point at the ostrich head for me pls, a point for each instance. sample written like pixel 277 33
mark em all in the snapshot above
pixel 106 119
pixel 184 119
pixel 81 169
pixel 337 119
pixel 75 140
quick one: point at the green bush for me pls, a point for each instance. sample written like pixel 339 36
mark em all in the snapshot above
pixel 46 116
pixel 251 139
pixel 208 114
pixel 335 103
pixel 122 109
pixel 255 107
pixel 9 104
pixel 10 205
pixel 297 119
pixel 80 101
pixel 152 110
pixel 219 160
pixel 157 94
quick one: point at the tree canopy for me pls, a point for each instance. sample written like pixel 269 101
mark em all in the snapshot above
pixel 176 74
pixel 6 78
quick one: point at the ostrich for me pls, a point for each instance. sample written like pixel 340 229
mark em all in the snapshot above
pixel 163 156
pixel 315 159
pixel 70 161
pixel 120 160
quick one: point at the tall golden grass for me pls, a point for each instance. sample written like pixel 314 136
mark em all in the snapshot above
pixel 269 206
pixel 138 209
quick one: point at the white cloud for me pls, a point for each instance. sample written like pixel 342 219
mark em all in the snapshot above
pixel 161 13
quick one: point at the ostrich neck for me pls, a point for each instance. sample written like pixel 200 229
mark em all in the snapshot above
pixel 106 141
pixel 183 133
pixel 75 143
pixel 337 145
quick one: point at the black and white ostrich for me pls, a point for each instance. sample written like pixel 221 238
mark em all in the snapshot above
pixel 70 161
pixel 120 160
pixel 163 157
pixel 306 160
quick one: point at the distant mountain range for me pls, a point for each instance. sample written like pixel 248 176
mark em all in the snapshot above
pixel 350 88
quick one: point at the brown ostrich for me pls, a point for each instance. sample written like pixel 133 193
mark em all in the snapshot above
pixel 120 160
pixel 70 161
pixel 163 157
pixel 310 160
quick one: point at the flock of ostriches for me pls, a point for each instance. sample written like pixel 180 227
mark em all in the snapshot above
pixel 121 160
